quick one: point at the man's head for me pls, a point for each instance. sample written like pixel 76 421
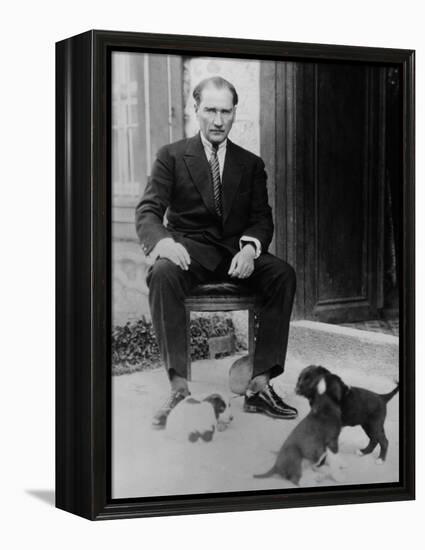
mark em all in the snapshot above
pixel 215 107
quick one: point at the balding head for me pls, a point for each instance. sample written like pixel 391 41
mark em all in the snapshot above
pixel 215 82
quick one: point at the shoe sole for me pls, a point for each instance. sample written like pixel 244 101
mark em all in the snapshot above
pixel 254 409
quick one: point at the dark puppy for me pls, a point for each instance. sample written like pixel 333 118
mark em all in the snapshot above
pixel 310 439
pixel 358 405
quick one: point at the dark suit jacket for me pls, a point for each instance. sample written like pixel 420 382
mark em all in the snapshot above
pixel 181 183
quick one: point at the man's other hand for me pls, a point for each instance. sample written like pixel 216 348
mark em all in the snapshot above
pixel 176 252
pixel 242 264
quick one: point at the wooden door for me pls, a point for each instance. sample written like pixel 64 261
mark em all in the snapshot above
pixel 329 186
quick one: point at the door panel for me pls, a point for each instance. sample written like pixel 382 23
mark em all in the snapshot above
pixel 335 172
pixel 340 188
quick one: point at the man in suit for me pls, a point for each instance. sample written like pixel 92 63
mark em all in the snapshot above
pixel 219 228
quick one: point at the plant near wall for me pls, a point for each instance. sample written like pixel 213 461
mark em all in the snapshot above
pixel 134 346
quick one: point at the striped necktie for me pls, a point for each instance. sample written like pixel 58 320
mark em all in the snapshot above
pixel 215 176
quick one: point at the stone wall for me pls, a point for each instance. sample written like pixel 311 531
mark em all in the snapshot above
pixel 129 290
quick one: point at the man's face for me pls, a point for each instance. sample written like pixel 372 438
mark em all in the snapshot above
pixel 215 113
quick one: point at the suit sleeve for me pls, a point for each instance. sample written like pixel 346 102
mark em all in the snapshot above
pixel 152 207
pixel 260 224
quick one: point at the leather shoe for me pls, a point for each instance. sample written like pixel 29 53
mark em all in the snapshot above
pixel 269 403
pixel 280 402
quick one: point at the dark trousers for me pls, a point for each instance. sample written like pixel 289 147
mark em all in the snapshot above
pixel 272 278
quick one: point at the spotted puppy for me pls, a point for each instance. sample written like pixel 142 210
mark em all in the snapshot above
pixel 358 405
pixel 197 419
pixel 312 439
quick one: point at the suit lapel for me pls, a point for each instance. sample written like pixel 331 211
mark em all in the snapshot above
pixel 197 164
pixel 232 175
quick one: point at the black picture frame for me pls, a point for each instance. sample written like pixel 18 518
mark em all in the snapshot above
pixel 83 279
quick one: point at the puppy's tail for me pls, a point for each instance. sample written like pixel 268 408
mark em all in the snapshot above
pixel 266 474
pixel 387 396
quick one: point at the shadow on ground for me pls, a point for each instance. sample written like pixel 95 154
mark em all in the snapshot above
pixel 45 495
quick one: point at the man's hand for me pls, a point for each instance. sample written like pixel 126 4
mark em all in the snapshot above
pixel 242 264
pixel 176 252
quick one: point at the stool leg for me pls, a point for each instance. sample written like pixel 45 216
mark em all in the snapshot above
pixel 251 342
pixel 188 360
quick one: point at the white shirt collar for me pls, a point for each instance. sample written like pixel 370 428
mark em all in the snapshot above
pixel 208 145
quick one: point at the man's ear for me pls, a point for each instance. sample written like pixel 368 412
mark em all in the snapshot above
pixel 321 386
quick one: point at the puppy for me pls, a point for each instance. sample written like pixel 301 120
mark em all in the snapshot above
pixel 358 405
pixel 195 419
pixel 310 439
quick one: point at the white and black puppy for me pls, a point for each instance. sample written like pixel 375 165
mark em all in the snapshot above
pixel 196 419
pixel 312 439
pixel 359 406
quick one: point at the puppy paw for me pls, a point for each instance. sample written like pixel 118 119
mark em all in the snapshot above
pixel 359 452
pixel 308 481
pixel 379 461
pixel 319 477
pixel 339 476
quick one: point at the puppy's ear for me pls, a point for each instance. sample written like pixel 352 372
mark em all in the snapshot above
pixel 336 388
pixel 219 406
pixel 307 381
pixel 321 386
pixel 218 403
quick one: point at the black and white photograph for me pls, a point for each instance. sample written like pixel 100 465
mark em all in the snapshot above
pixel 211 237
pixel 255 260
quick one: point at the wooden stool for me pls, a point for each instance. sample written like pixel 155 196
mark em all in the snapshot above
pixel 220 297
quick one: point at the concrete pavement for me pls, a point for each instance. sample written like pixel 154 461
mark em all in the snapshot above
pixel 145 462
